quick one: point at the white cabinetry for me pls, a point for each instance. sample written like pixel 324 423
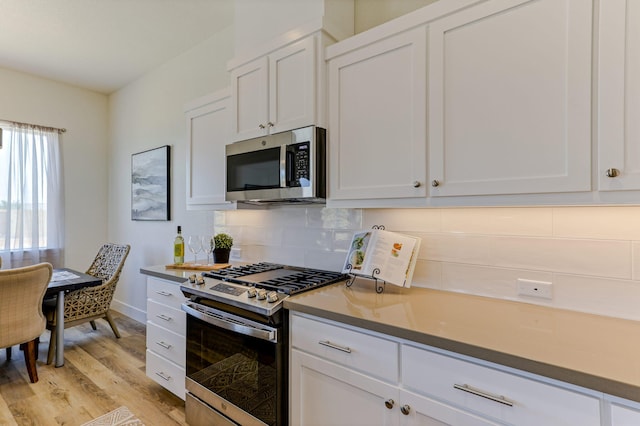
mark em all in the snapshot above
pixel 624 416
pixel 377 119
pixel 345 375
pixel 277 92
pixel 208 131
pixel 619 95
pixel 509 107
pixel 166 331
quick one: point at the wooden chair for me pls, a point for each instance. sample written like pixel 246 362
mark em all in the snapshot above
pixel 91 303
pixel 21 318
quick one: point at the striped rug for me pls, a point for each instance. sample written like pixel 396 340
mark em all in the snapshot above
pixel 121 416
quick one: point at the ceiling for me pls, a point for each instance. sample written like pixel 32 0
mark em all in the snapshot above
pixel 102 45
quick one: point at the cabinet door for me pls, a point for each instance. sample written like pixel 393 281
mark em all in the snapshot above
pixel 208 132
pixel 510 98
pixel 292 85
pixel 250 100
pixel 421 411
pixel 624 416
pixel 323 393
pixel 377 119
pixel 619 95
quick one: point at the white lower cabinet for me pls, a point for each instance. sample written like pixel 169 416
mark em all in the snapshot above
pixel 623 414
pixel 166 335
pixel 337 379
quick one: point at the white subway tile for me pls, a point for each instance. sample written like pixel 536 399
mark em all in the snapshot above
pixel 327 218
pixel 307 238
pixel 498 221
pixel 403 220
pixel 599 222
pixel 459 248
pixel 487 281
pixel 427 274
pixel 603 258
pixel 263 236
pixel 617 298
pixel 327 260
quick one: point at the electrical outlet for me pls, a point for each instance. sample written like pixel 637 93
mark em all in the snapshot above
pixel 533 288
pixel 236 254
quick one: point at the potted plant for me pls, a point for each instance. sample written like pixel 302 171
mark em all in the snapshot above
pixel 222 247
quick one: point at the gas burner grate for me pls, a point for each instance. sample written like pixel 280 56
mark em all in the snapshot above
pixel 298 280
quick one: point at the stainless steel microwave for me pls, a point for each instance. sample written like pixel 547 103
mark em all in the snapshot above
pixel 283 167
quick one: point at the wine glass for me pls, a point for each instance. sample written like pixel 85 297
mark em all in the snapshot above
pixel 208 245
pixel 195 246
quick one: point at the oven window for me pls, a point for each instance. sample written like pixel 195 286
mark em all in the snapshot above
pixel 254 170
pixel 240 369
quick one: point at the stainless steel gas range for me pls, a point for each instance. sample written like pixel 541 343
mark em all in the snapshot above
pixel 237 340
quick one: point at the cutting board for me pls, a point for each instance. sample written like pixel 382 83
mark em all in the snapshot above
pixel 192 267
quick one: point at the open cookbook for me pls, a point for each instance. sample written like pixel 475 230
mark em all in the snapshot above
pixel 384 255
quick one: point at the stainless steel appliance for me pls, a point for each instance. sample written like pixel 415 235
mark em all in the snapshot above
pixel 283 167
pixel 237 340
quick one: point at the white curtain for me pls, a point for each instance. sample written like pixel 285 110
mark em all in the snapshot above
pixel 31 196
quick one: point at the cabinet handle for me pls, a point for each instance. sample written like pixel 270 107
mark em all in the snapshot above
pixel 270 124
pixel 164 376
pixel 389 403
pixel 612 173
pixel 496 398
pixel 164 317
pixel 334 346
pixel 417 184
pixel 163 293
pixel 164 345
pixel 405 409
pixel 261 126
pixel 435 183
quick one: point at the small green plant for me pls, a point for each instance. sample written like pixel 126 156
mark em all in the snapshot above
pixel 223 241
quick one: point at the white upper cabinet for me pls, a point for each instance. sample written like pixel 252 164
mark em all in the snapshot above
pixel 619 95
pixel 208 132
pixel 276 92
pixel 377 119
pixel 509 98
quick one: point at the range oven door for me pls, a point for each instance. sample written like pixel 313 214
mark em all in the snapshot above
pixel 236 369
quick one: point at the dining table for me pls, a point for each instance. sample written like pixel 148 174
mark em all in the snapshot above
pixel 63 281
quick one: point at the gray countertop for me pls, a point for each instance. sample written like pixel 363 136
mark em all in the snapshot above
pixel 596 352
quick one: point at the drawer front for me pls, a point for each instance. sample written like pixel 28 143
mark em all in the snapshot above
pixel 166 317
pixel 166 344
pixel 165 292
pixel 166 373
pixel 370 354
pixel 485 391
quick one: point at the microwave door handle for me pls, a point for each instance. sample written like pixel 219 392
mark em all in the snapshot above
pixel 284 166
pixel 290 166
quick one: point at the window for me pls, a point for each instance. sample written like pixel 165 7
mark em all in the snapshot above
pixel 31 207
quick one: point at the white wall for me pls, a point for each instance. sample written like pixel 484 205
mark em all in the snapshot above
pixel 83 113
pixel 146 114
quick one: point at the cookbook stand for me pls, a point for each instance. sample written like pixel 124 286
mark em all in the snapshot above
pixel 376 271
pixel 352 277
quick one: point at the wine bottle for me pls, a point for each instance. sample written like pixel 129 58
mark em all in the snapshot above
pixel 178 248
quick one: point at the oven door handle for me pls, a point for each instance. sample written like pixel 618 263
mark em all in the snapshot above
pixel 235 326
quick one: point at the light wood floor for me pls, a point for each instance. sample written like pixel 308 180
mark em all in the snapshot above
pixel 100 374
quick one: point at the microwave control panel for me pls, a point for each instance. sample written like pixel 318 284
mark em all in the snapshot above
pixel 298 173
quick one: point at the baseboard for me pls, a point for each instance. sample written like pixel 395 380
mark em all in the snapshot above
pixel 128 310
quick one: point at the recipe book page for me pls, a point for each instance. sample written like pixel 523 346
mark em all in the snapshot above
pixel 385 255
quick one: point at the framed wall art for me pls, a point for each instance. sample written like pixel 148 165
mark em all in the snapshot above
pixel 150 184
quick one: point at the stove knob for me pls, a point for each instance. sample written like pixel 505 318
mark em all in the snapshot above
pixel 200 281
pixel 262 294
pixel 251 292
pixel 272 297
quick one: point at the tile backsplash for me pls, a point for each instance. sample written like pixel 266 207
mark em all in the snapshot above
pixel 590 254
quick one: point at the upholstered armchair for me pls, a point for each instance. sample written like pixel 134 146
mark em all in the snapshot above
pixel 91 303
pixel 21 318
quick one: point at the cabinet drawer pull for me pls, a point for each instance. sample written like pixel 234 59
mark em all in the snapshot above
pixel 164 345
pixel 164 376
pixel 164 317
pixel 163 293
pixel 496 398
pixel 334 346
